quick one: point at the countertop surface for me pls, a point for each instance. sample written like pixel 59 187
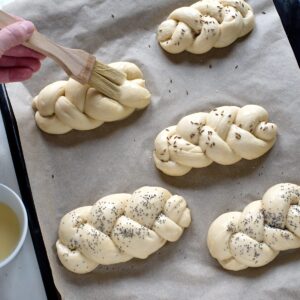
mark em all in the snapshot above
pixel 21 278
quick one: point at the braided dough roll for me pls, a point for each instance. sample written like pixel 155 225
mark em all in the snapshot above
pixel 225 135
pixel 254 237
pixel 66 105
pixel 204 25
pixel 120 227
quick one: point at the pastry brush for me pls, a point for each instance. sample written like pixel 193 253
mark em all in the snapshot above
pixel 77 63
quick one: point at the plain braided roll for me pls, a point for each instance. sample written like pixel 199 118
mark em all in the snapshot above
pixel 66 105
pixel 204 25
pixel 254 237
pixel 225 136
pixel 120 227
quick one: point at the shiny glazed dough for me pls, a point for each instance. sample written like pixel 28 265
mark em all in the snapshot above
pixel 66 105
pixel 254 237
pixel 204 25
pixel 225 135
pixel 120 227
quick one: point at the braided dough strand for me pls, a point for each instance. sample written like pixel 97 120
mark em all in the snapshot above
pixel 225 135
pixel 204 25
pixel 66 105
pixel 254 237
pixel 120 227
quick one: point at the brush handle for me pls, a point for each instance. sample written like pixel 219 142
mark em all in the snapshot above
pixel 78 64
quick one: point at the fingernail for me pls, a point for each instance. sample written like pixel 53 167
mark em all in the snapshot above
pixel 28 26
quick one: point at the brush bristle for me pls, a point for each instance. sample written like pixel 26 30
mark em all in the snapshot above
pixel 107 80
pixel 110 73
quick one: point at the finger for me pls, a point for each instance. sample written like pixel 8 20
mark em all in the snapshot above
pixel 32 63
pixel 14 74
pixel 22 51
pixel 14 35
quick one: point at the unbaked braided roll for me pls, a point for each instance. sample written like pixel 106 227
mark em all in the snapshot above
pixel 120 227
pixel 225 135
pixel 204 25
pixel 254 237
pixel 66 105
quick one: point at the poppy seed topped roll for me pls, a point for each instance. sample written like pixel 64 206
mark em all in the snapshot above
pixel 120 227
pixel 255 236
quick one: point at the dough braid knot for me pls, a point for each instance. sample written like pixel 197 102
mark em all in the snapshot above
pixel 204 25
pixel 66 105
pixel 225 135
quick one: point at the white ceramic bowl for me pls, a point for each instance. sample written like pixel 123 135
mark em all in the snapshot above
pixel 11 199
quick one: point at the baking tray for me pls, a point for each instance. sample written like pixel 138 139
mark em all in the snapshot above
pixel 12 132
pixel 26 194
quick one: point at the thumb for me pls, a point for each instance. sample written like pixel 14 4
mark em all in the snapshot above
pixel 14 35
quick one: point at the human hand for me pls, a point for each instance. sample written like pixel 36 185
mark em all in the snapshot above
pixel 17 63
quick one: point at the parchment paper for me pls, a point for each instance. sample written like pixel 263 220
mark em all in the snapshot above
pixel 78 168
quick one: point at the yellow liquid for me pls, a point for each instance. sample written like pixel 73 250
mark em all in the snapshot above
pixel 9 231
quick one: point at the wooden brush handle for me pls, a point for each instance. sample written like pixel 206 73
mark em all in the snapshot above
pixel 76 63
